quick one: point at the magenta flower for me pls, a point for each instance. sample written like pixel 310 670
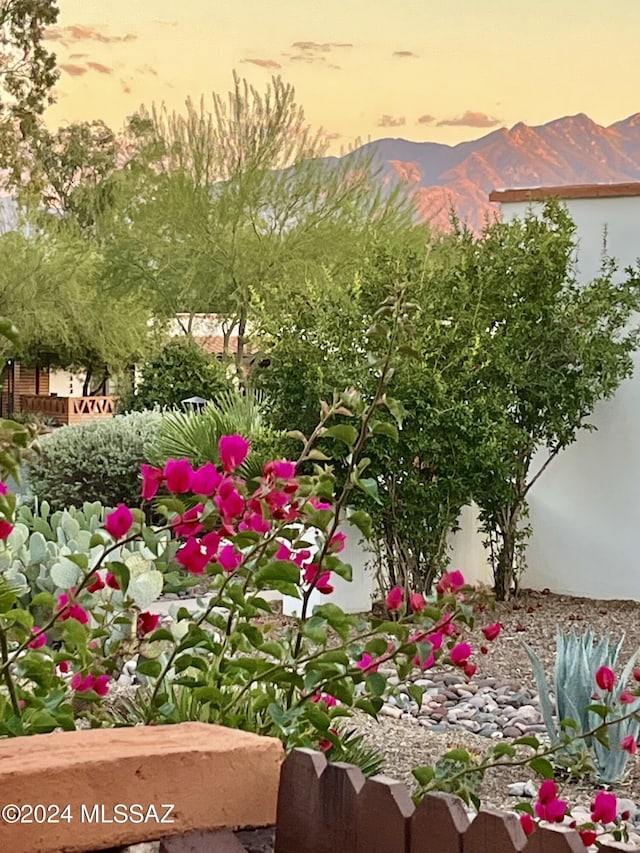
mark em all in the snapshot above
pixel 627 698
pixel 178 474
pixel 194 556
pixel 629 744
pixel 229 558
pixel 96 584
pixel 588 836
pixel 281 469
pixel 492 631
pixel 39 641
pixel 81 683
pixel 319 579
pixel 5 529
pixel 469 669
pixel 68 609
pixel 229 500
pixel 112 581
pixel 605 678
pixel 427 664
pixel 417 602
pixel 326 698
pixel 460 654
pixel 337 543
pixel 450 582
pixel 147 623
pixel 233 450
pixel 257 523
pixel 527 823
pixel 189 523
pixel 395 598
pixel 3 488
pixel 316 503
pixel 119 522
pixel 206 479
pixel 151 481
pixel 367 663
pixel 101 685
pixel 604 808
pixel 552 811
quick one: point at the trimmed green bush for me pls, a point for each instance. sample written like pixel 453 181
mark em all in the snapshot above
pixel 94 462
pixel 182 369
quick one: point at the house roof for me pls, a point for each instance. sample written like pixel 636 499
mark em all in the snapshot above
pixel 631 188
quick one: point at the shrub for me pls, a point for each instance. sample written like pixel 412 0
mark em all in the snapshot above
pixel 182 369
pixel 93 462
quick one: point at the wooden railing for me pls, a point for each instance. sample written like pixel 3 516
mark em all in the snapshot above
pixel 69 410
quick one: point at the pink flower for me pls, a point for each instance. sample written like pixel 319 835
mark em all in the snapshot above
pixel 417 602
pixel 63 666
pixel 337 543
pixel 189 523
pixel 101 685
pixel 194 556
pixel 257 523
pixel 178 473
pixel 316 503
pixel 588 836
pixel 206 479
pixel 81 683
pixel 112 581
pixel 492 631
pixel 548 791
pixel 229 500
pixel 469 669
pixel 119 522
pixel 281 469
pixel 229 558
pixel 395 598
pixel 233 450
pixel 636 673
pixel 627 698
pixel 450 582
pixel 605 678
pixel 604 808
pixel 326 698
pixel 629 744
pixel 426 664
pixel 96 584
pixel 527 823
pixel 5 529
pixel 319 579
pixel 151 481
pixel 147 623
pixel 552 811
pixel 3 488
pixel 39 641
pixel 68 609
pixel 367 663
pixel 460 654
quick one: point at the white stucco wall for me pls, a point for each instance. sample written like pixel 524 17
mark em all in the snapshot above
pixel 585 509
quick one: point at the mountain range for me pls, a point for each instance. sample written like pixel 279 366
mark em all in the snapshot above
pixel 569 150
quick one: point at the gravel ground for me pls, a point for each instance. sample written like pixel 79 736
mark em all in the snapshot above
pixel 533 618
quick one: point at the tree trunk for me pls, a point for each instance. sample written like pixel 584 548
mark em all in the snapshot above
pixel 242 328
pixel 87 383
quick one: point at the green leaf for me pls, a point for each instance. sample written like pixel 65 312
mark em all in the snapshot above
pixel 152 668
pixel 370 487
pixel 424 774
pixel 361 520
pixel 278 570
pixel 542 767
pixel 533 742
pixel 417 693
pixel 385 428
pixel 457 755
pixel 344 433
pixel 376 683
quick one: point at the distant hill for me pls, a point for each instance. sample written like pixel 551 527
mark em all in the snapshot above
pixel 570 150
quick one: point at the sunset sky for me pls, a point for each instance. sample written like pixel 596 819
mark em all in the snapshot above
pixel 442 71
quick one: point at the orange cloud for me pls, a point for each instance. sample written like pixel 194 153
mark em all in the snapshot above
pixel 319 47
pixel 78 55
pixel 126 88
pixel 470 119
pixel 100 68
pixel 73 70
pixel 426 119
pixel 263 63
pixel 405 54
pixel 147 69
pixel 392 121
pixel 79 33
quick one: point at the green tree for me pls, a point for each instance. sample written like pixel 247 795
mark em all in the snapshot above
pixel 537 351
pixel 28 70
pixel 222 206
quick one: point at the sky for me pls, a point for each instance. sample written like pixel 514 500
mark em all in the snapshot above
pixel 437 70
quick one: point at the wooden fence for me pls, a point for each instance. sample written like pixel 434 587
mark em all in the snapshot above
pixel 332 808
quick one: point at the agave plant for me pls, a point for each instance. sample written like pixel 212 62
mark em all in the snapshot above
pixel 195 435
pixel 577 660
